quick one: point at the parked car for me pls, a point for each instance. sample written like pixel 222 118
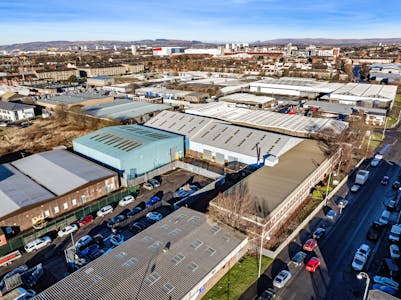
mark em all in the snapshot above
pixel 298 258
pixel 312 264
pixel 114 221
pixel 396 185
pixel 342 203
pixel 394 251
pixel 331 214
pixel 134 211
pixel 148 186
pixel 83 242
pixel 358 262
pixel 384 217
pixel 310 245
pixel 375 162
pixel 364 249
pixel 85 220
pixel 116 239
pixel 93 251
pixel 385 180
pixel 391 205
pixel 104 211
pixel 355 188
pixel 38 244
pixel 154 216
pixel 67 230
pixel 154 182
pixel 374 231
pixel 185 191
pixel 319 233
pixel 281 279
pixel 384 288
pixel 386 281
pixel 126 200
pixel 152 201
pixel 267 294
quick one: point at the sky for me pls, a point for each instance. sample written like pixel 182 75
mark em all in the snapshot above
pixel 203 20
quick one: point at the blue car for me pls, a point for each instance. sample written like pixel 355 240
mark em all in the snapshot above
pixel 331 214
pixel 385 289
pixel 152 201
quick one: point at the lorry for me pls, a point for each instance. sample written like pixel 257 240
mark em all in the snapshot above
pixel 361 177
pixel 19 294
pixel 395 233
pixel 9 258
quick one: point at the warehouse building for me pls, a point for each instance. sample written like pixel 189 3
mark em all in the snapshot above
pixel 248 100
pixel 275 193
pixel 295 125
pixel 71 99
pixel 222 142
pixel 131 150
pixel 125 110
pixel 12 112
pixel 180 257
pixel 169 94
pixel 49 184
pixel 99 81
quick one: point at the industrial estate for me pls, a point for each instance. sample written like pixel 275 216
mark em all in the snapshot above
pixel 211 171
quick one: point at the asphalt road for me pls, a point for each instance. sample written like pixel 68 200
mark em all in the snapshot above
pixel 335 279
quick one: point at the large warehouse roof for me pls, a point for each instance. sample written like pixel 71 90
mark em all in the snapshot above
pixel 123 109
pixel 168 260
pixel 119 141
pixel 18 191
pixel 60 171
pixel 362 91
pixel 222 135
pixel 246 98
pixel 290 124
pixel 70 98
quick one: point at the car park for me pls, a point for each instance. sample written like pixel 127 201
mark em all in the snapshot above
pixel 386 281
pixel 126 200
pixel 67 230
pixel 268 294
pixel 319 233
pixel 83 242
pixel 104 211
pixel 114 221
pixel 298 258
pixel 147 186
pixel 374 231
pixel 38 244
pixel 154 216
pixel 152 201
pixel 310 245
pixel 394 251
pixel 85 220
pixel 331 214
pixel 154 182
pixel 385 180
pixel 312 264
pixel 281 279
pixel 355 188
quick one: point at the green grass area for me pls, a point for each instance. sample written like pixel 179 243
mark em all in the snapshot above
pixel 375 140
pixel 238 279
pixel 397 101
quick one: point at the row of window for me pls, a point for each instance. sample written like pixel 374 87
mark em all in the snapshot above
pixel 56 208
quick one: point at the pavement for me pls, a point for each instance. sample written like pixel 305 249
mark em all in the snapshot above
pixel 335 279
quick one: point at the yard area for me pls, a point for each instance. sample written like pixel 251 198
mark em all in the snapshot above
pixel 238 279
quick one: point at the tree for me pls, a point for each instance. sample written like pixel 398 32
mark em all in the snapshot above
pixel 72 78
pixel 61 112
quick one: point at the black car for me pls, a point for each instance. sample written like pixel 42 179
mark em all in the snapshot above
pixel 319 233
pixel 374 231
pixel 134 211
pixel 114 222
pixel 267 294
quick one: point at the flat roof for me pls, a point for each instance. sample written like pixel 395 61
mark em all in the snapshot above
pixel 270 186
pixel 11 106
pixel 290 124
pixel 140 269
pixel 162 91
pixel 18 191
pixel 218 81
pixel 343 108
pixel 120 141
pixel 301 84
pixel 364 91
pixel 70 98
pixel 246 98
pixel 123 109
pixel 60 171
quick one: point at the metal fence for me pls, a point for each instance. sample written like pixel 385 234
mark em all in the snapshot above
pixel 26 237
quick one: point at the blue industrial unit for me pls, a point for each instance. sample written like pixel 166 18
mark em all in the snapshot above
pixel 131 149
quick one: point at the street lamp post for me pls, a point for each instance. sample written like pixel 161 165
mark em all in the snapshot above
pixel 360 276
pixel 260 250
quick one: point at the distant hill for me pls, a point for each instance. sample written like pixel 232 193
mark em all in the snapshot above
pixel 186 43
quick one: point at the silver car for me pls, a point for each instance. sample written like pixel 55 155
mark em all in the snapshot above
pixel 281 279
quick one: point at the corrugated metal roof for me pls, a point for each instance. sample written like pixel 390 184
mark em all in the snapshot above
pixel 18 190
pixel 364 91
pixel 140 269
pixel 246 98
pixel 60 171
pixel 14 106
pixel 119 141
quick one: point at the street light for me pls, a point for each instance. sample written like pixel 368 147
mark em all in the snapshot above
pixel 360 276
pixel 261 248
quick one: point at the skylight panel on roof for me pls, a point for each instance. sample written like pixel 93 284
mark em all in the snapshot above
pixel 168 288
pixel 196 244
pixel 193 266
pixel 177 258
pixel 152 278
pixel 214 229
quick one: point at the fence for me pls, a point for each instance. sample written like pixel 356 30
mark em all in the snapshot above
pixel 26 237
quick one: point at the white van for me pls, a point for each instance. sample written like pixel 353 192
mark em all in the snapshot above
pixel 37 244
pixel 384 218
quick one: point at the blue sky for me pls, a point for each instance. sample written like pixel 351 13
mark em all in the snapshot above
pixel 205 20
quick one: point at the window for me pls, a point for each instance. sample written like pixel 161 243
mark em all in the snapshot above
pixel 74 202
pixel 196 244
pixel 46 213
pixel 193 266
pixel 83 199
pixel 174 233
pixel 56 210
pixel 210 251
pixel 152 278
pixel 146 239
pixel 130 263
pixel 178 258
pixel 215 229
pixel 65 205
pixel 167 288
pixel 194 220
pixel 156 245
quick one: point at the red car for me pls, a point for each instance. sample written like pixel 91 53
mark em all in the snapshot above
pixel 310 245
pixel 85 220
pixel 312 264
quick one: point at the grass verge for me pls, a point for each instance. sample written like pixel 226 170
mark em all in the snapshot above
pixel 238 279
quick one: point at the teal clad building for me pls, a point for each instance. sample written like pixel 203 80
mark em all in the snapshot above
pixel 131 150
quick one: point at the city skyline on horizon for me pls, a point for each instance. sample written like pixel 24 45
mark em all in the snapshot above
pixel 206 20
